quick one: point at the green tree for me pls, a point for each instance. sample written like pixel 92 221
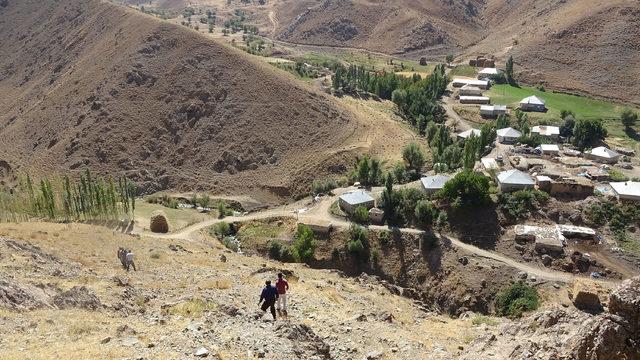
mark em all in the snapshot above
pixel 516 299
pixel 413 156
pixel 363 170
pixel 467 188
pixel 361 215
pixel 566 130
pixel 503 121
pixel 358 243
pixel 588 133
pixel 425 213
pixel 449 58
pixel 509 71
pixel 628 118
pixel 388 200
pixel 304 244
pixel 471 149
pixel 375 172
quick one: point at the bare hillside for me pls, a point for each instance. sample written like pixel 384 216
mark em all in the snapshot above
pixel 85 83
pixel 580 46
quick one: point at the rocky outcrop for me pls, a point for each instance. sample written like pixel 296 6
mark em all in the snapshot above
pixel 158 222
pixel 571 334
pixel 77 297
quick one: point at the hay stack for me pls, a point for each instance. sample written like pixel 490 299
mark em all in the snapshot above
pixel 159 222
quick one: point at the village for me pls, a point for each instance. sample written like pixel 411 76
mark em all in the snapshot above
pixel 554 167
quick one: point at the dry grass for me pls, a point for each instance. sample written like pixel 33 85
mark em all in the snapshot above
pixel 192 308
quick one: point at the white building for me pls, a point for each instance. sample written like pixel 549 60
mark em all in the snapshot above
pixel 466 134
pixel 475 100
pixel 470 90
pixel 493 110
pixel 489 73
pixel 433 184
pixel 628 190
pixel 552 132
pixel 508 135
pixel 460 82
pixel 490 163
pixel 603 155
pixel 514 180
pixel 533 103
pixel 549 149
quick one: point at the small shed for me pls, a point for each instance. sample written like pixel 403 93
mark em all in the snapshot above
pixel 470 90
pixel 319 227
pixel 508 135
pixel 475 100
pixel 489 72
pixel 514 180
pixel 376 215
pixel 466 134
pixel 460 82
pixel 350 201
pixel 433 184
pixel 603 155
pixel 628 190
pixel 551 132
pixel 549 149
pixel 493 110
pixel 533 103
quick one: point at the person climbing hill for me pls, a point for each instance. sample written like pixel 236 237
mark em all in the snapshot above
pixel 269 295
pixel 281 303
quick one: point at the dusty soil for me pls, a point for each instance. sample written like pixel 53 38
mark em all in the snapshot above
pixel 187 295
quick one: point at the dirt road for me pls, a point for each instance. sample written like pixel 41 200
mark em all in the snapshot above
pixel 319 211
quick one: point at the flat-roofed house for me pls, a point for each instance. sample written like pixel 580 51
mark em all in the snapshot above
pixel 460 82
pixel 470 90
pixel 350 201
pixel 475 100
pixel 549 149
pixel 628 190
pixel 551 132
pixel 493 110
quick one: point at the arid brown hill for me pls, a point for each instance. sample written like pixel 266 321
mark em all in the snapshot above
pixel 85 83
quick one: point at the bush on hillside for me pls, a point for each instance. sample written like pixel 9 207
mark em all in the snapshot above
pixel 358 243
pixel 304 244
pixel 221 229
pixel 521 203
pixel 517 299
pixel 361 215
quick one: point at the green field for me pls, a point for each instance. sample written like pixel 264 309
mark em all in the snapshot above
pixel 377 62
pixel 583 107
pixel 463 70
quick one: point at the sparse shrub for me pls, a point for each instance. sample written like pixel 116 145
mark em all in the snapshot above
pixel 205 201
pixel 361 215
pixel 221 229
pixel 517 299
pixel 384 238
pixel 231 243
pixel 617 176
pixel 375 257
pixel 155 255
pixel 358 244
pixel 425 213
pixel 335 254
pixel 482 319
pixel 323 186
pixel 428 242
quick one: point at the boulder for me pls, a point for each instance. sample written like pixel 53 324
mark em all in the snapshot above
pixel 547 260
pixel 158 222
pixel 585 297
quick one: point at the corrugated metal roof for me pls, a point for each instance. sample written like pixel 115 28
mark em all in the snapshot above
pixel 515 177
pixel 549 147
pixel 434 182
pixel 470 98
pixel 509 132
pixel 356 197
pixel 473 82
pixel 533 100
pixel 490 71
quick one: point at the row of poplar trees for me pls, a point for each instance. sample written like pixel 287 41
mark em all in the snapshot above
pixel 63 199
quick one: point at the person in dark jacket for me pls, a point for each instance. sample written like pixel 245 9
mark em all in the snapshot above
pixel 269 295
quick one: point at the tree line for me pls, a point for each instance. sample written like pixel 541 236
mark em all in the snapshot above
pixel 63 199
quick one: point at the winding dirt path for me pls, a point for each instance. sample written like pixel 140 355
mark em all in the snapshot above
pixel 319 211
